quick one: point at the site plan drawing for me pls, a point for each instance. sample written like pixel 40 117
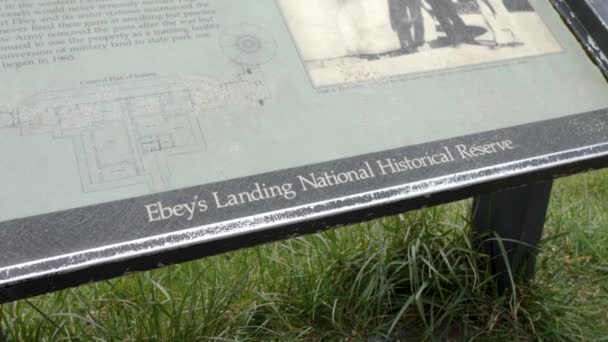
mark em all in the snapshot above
pixel 122 134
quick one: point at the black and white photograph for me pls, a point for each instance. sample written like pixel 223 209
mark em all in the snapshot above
pixel 349 41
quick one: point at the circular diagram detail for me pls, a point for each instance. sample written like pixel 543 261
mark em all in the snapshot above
pixel 248 45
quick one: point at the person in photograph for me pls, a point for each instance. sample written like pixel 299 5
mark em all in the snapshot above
pixel 407 22
pixel 496 17
pixel 452 24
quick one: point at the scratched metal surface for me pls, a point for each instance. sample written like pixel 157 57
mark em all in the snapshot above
pixel 589 21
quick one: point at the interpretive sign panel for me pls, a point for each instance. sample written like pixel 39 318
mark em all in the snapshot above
pixel 139 133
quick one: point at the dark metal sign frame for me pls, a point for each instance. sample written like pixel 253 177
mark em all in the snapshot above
pixel 588 26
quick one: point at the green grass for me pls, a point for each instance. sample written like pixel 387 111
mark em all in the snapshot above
pixel 408 277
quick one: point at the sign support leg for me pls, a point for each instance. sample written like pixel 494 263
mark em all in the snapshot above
pixel 511 221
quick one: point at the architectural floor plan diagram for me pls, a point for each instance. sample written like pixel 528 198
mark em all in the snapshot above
pixel 124 132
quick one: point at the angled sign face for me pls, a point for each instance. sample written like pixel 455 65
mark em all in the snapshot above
pixel 135 135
